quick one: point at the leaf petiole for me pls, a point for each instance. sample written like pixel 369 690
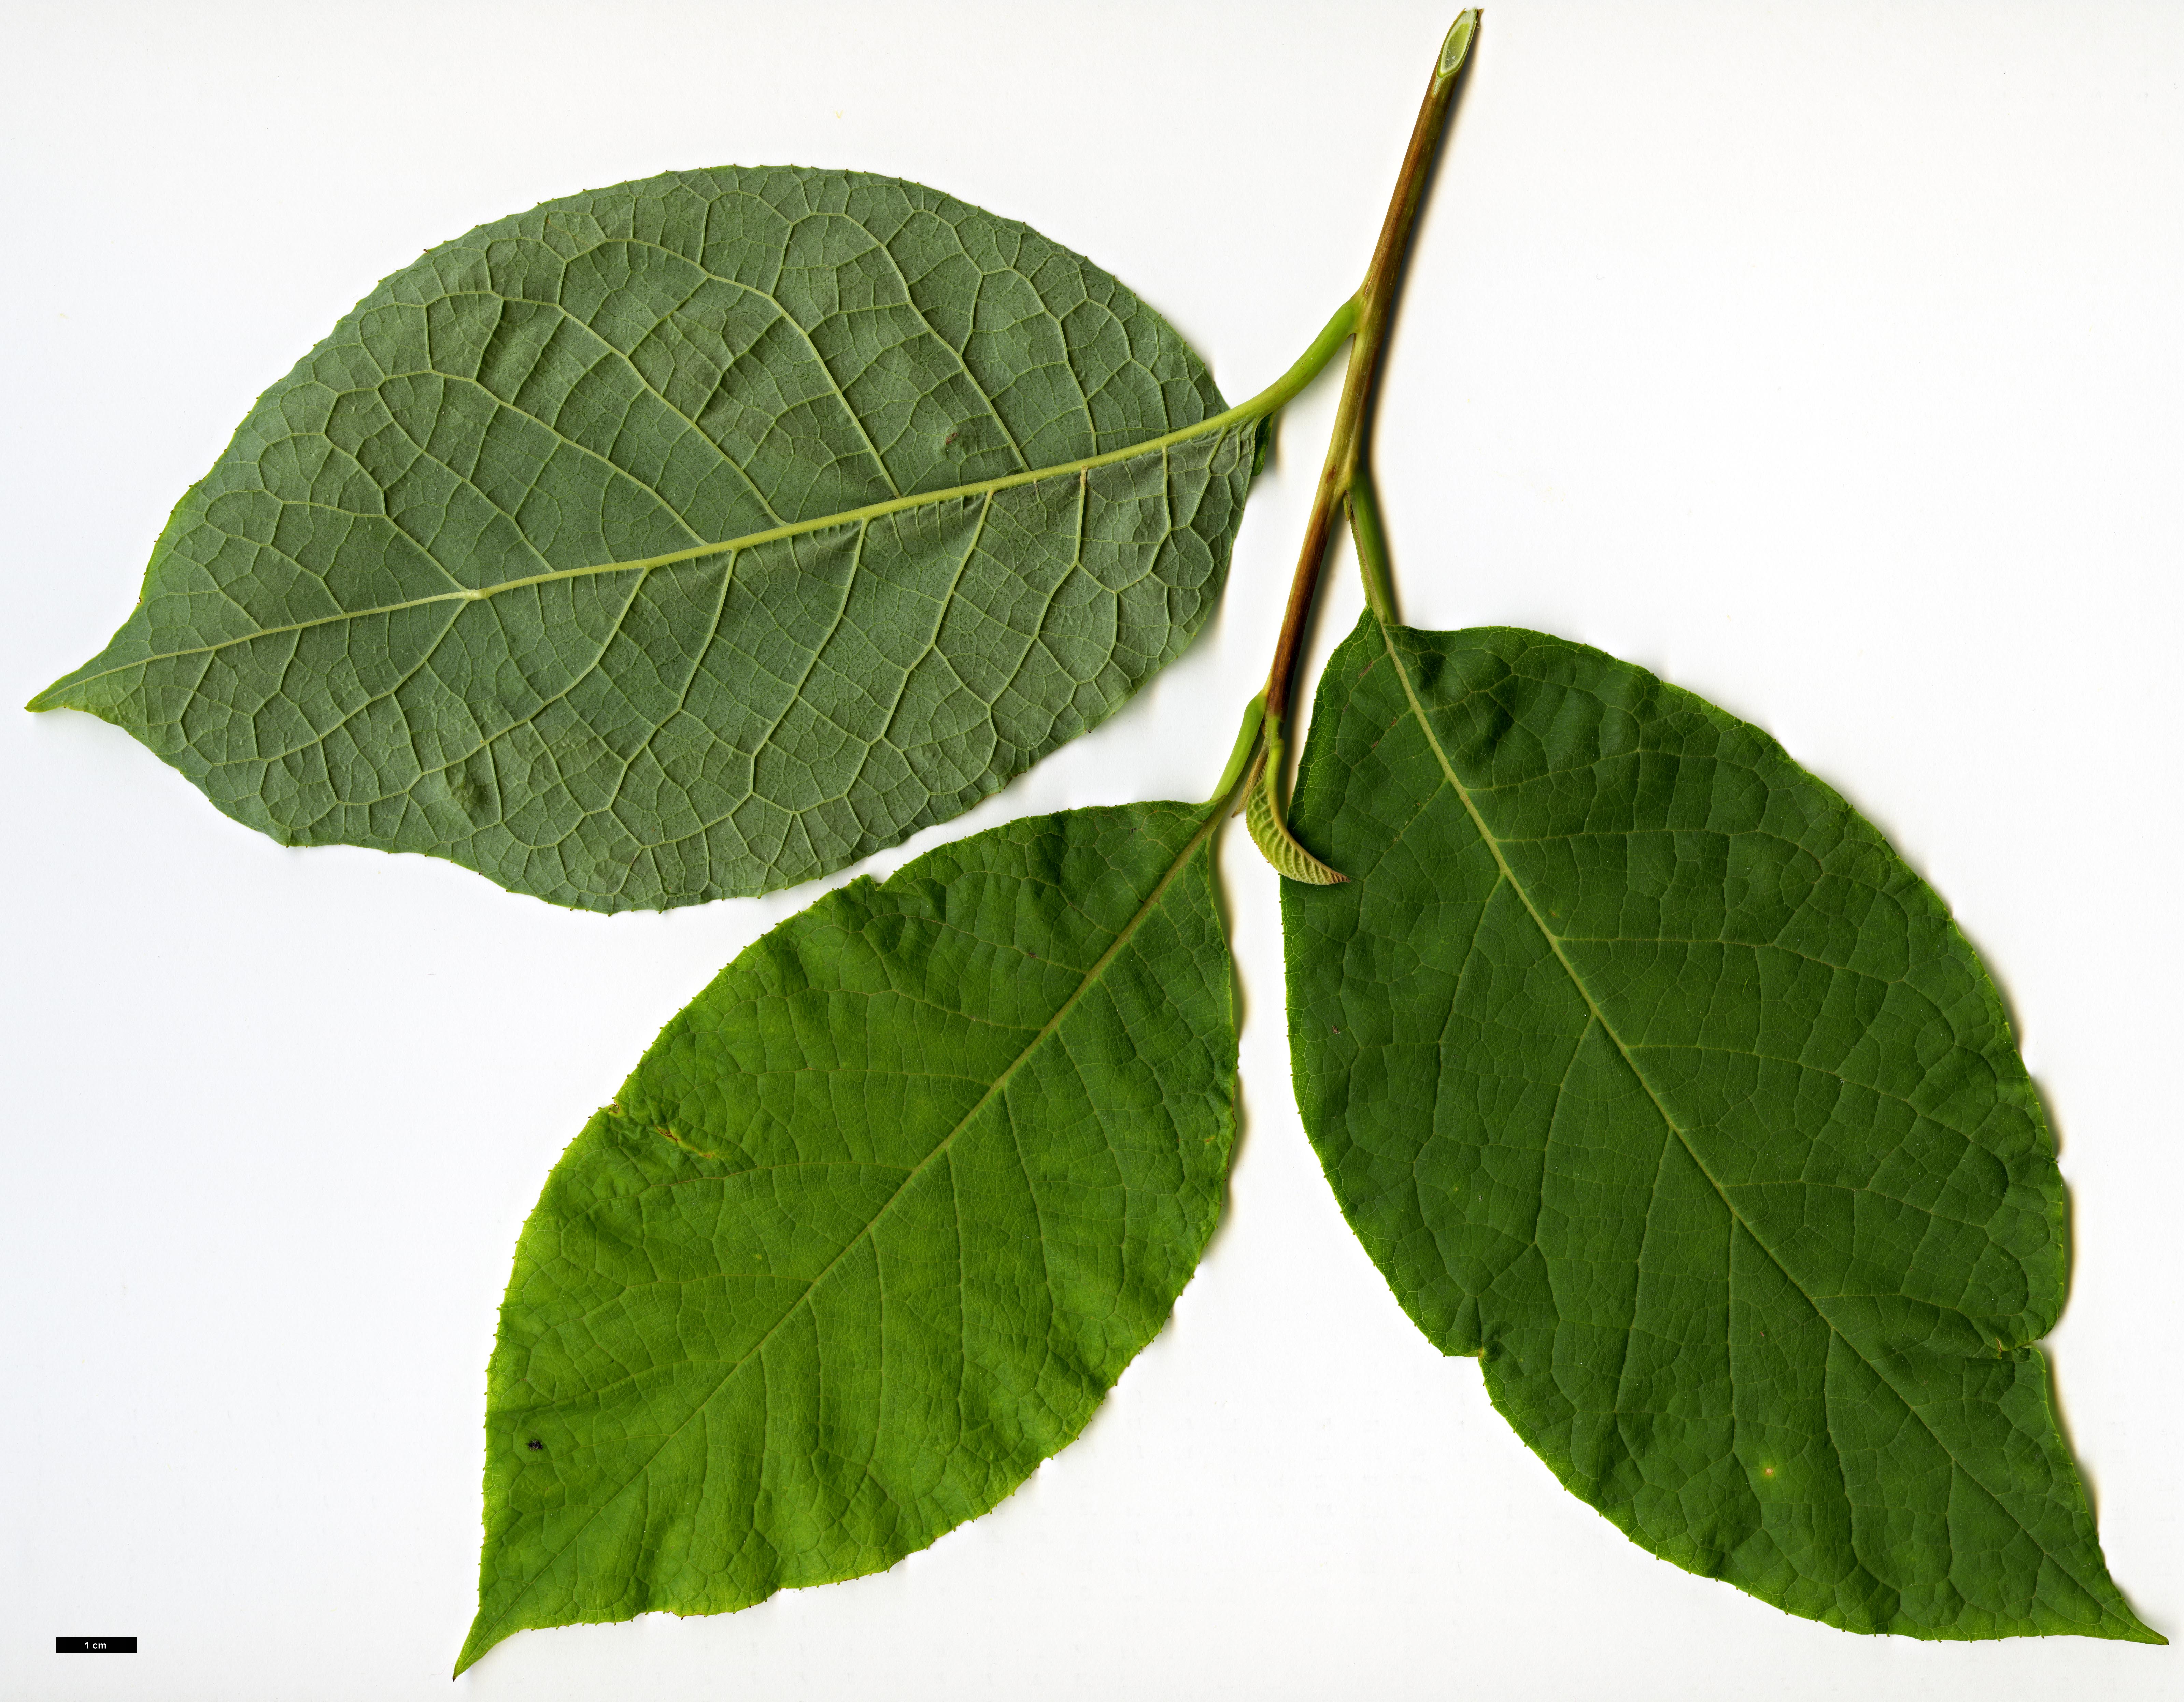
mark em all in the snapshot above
pixel 1247 748
pixel 1373 564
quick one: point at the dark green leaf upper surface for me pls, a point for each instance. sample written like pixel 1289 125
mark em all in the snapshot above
pixel 686 538
pixel 1646 1071
pixel 875 1225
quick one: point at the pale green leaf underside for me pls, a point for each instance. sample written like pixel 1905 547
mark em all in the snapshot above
pixel 682 539
pixel 1646 1071
pixel 1290 859
pixel 875 1225
pixel 1262 815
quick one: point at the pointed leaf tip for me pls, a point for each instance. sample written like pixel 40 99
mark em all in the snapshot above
pixel 564 704
pixel 1648 1072
pixel 947 1147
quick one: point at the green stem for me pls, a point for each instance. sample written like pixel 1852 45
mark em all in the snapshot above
pixel 1373 564
pixel 1374 301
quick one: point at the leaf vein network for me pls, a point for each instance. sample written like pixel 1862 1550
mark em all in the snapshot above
pixel 1880 1373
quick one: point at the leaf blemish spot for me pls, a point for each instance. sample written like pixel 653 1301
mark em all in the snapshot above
pixel 674 1139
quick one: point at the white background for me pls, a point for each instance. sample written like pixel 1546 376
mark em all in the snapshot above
pixel 1824 359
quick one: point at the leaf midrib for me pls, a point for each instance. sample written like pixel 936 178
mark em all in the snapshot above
pixel 1092 975
pixel 1555 944
pixel 1211 424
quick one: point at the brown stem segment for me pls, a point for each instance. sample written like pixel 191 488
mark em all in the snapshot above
pixel 1375 298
